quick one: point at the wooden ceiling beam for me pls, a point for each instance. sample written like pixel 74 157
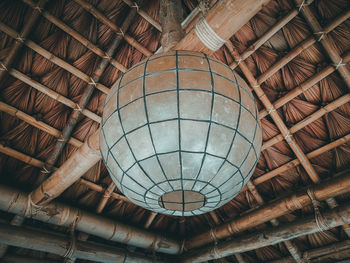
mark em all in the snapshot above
pixel 52 58
pixel 274 209
pixel 322 38
pixel 80 38
pixel 61 245
pixel 19 203
pixel 118 30
pixel 309 225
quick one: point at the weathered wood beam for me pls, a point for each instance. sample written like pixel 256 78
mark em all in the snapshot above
pixel 322 38
pixel 63 245
pixel 70 31
pixel 16 202
pixel 327 189
pixel 118 30
pixel 224 19
pixel 54 59
pixel 333 218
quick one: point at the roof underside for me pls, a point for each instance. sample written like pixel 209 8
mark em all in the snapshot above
pixel 56 62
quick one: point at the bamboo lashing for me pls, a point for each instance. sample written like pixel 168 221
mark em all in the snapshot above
pixel 85 42
pixel 119 31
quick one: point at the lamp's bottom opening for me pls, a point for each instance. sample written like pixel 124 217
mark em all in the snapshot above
pixel 184 201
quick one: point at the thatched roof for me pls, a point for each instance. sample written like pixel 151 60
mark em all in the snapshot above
pixel 51 74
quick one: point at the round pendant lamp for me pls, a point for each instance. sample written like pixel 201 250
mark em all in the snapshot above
pixel 180 133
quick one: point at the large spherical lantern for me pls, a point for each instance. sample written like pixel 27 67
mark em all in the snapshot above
pixel 180 133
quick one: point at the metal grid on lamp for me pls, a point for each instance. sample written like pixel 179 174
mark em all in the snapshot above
pixel 180 123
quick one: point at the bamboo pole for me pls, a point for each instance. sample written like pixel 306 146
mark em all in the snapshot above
pixel 337 185
pixel 106 195
pixel 55 213
pixel 322 38
pixel 304 161
pixel 62 245
pixel 309 119
pixel 70 171
pixel 266 36
pixel 118 30
pixel 304 86
pixel 52 58
pixel 225 18
pixel 333 218
pixel 21 38
pixel 52 94
pixel 315 255
pixel 85 42
pixel 143 14
pixel 36 123
pixel 40 164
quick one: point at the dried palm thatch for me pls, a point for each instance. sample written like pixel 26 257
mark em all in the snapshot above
pixel 310 99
